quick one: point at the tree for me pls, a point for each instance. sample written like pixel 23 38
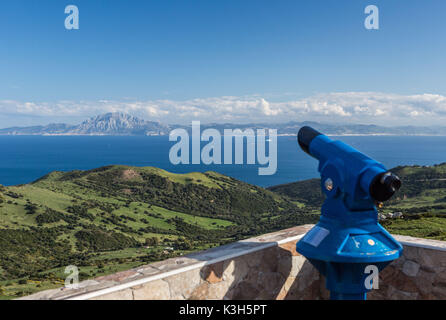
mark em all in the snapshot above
pixel 30 208
pixel 153 241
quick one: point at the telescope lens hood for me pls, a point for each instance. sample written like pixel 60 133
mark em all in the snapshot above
pixel 305 136
pixel 384 186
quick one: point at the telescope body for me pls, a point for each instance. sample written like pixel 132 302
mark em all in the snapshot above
pixel 348 237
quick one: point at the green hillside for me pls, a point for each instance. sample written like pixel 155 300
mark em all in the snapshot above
pixel 421 200
pixel 118 217
pixel 307 192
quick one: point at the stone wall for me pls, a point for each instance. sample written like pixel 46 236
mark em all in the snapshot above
pixel 420 273
pixel 265 267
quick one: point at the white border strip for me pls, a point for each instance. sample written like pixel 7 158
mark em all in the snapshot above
pixel 424 245
pixel 162 275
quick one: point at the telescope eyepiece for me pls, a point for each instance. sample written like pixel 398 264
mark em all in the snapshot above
pixel 305 136
pixel 384 186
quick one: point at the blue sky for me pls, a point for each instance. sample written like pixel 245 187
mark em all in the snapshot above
pixel 228 60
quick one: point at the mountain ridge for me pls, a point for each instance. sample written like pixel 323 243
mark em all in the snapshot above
pixel 112 123
pixel 117 123
pixel 117 217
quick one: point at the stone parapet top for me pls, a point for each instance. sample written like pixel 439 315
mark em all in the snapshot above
pixel 421 243
pixel 121 281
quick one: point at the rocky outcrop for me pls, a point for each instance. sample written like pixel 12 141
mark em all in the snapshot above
pixel 390 215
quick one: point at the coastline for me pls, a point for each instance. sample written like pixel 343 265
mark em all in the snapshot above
pixel 279 135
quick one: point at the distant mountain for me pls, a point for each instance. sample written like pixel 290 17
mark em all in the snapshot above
pixel 53 128
pixel 117 123
pixel 292 127
pixel 362 129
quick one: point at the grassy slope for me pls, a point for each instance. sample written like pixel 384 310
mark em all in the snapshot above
pixel 185 212
pixel 100 219
pixel 422 200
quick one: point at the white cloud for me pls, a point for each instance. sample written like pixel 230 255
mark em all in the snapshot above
pixel 361 107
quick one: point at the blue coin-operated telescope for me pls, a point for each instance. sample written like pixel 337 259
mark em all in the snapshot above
pixel 348 243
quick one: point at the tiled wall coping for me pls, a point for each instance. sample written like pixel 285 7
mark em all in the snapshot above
pixel 119 281
pixel 421 243
pixel 126 281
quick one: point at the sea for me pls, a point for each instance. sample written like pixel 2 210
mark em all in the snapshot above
pixel 24 159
